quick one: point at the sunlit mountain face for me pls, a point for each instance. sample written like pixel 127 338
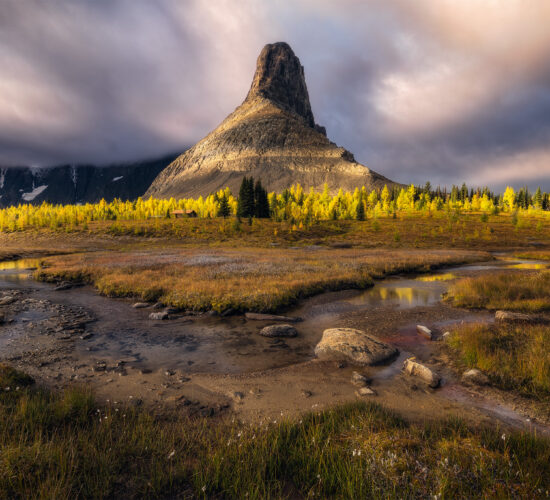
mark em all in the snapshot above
pixel 435 90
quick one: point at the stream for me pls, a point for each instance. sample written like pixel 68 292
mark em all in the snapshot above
pixel 204 344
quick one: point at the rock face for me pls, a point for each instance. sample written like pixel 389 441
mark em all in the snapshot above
pixel 353 345
pixel 271 136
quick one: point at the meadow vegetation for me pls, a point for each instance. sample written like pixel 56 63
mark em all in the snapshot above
pixel 64 445
pixel 527 291
pixel 245 279
pixel 515 357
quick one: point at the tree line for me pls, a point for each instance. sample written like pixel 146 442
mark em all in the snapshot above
pixel 293 204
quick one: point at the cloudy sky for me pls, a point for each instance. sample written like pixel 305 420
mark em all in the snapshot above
pixel 440 90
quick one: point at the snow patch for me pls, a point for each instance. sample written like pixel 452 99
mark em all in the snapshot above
pixel 2 177
pixel 34 193
pixel 74 175
pixel 117 178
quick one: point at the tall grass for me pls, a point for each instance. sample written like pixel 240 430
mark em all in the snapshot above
pixel 66 446
pixel 528 292
pixel 514 357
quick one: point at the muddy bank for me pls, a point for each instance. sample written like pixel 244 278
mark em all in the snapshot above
pixel 207 364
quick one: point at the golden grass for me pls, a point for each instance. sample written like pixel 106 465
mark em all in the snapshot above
pixel 407 230
pixel 535 255
pixel 528 292
pixel 515 357
pixel 244 279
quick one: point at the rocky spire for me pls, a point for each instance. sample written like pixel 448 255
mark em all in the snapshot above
pixel 280 78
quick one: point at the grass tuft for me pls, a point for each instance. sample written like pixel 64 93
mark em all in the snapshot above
pixel 529 292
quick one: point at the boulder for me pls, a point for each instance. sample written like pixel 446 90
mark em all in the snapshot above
pixel 474 377
pixel 7 300
pixel 140 305
pixel 353 345
pixel 421 371
pixel 270 317
pixel 279 331
pixel 515 317
pixel 425 331
pixel 159 315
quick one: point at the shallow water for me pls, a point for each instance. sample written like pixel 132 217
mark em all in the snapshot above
pixel 232 345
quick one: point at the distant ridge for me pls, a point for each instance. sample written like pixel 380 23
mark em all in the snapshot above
pixel 272 136
pixel 78 183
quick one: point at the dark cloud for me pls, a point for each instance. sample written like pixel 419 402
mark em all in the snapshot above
pixel 432 89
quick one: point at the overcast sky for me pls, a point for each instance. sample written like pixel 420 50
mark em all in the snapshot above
pixel 440 90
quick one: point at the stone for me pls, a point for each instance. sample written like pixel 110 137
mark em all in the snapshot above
pixel 159 315
pixel 359 380
pixel 353 345
pixel 279 331
pixel 306 394
pixel 446 335
pixel 272 136
pixel 6 300
pixel 63 286
pixel 424 331
pixel 140 305
pixel 270 317
pixel 421 371
pixel 86 336
pixel 145 371
pixel 237 396
pixel 474 377
pixel 515 317
pixel 365 391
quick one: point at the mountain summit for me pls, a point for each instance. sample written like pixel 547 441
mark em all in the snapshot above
pixel 272 135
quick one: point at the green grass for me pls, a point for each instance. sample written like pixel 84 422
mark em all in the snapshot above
pixel 66 446
pixel 514 357
pixel 529 292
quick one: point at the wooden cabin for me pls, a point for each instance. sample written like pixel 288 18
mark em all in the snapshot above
pixel 183 213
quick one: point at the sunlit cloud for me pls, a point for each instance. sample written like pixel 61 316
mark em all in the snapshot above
pixel 430 89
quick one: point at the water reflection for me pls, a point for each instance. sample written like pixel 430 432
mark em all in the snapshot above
pixel 21 264
pixel 400 294
pixel 528 265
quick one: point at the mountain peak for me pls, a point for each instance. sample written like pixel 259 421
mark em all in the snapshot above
pixel 279 77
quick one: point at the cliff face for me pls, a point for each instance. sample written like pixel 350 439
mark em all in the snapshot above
pixel 77 183
pixel 271 136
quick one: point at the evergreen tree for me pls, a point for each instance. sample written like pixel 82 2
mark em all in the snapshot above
pixel 223 206
pixel 261 204
pixel 537 199
pixel 245 203
pixel 360 210
pixel 464 192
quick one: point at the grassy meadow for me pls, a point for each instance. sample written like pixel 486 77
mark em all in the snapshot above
pixel 514 356
pixel 65 446
pixel 245 279
pixel 527 292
